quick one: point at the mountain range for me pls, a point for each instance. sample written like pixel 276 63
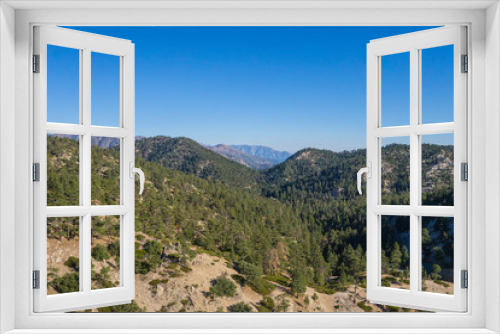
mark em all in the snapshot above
pixel 253 156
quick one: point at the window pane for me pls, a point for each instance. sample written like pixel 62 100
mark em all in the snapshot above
pixel 63 170
pixel 395 252
pixel 105 90
pixel 63 85
pixel 395 172
pixel 437 170
pixel 437 254
pixel 437 84
pixel 105 252
pixel 105 171
pixel 63 255
pixel 395 89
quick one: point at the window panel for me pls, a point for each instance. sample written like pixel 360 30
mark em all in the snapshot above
pixel 63 85
pixel 395 90
pixel 105 171
pixel 63 255
pixel 395 171
pixel 395 252
pixel 437 84
pixel 63 170
pixel 438 170
pixel 105 90
pixel 437 254
pixel 106 247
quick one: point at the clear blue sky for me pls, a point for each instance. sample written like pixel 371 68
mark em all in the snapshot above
pixel 283 87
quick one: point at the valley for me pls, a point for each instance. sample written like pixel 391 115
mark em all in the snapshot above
pixel 289 232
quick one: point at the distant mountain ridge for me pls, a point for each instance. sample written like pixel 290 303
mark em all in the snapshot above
pixel 104 142
pixel 273 156
pixel 252 161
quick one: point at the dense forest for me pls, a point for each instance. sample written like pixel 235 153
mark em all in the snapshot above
pixel 298 224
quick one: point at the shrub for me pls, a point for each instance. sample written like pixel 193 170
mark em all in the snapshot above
pixel 281 280
pixel 223 286
pixel 125 308
pixel 140 254
pixel 365 307
pixel 73 262
pixel 261 287
pixel 66 283
pixel 172 265
pixel 315 297
pixel 392 308
pixel 267 302
pixel 261 308
pixel 386 284
pixel 390 279
pixel 324 289
pixel 283 305
pixel 186 269
pixel 139 237
pixel 238 279
pixel 114 248
pixel 100 253
pixel 156 282
pixel 240 307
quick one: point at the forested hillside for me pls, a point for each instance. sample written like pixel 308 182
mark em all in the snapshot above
pixel 296 226
pixel 186 155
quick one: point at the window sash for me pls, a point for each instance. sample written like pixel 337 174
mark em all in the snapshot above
pixel 86 297
pixel 413 43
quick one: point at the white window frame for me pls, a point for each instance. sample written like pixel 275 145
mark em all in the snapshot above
pixel 482 19
pixel 414 43
pixel 86 44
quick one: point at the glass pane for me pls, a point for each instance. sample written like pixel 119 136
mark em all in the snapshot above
pixel 63 255
pixel 437 170
pixel 395 172
pixel 395 252
pixel 437 254
pixel 437 84
pixel 105 90
pixel 63 170
pixel 63 85
pixel 105 252
pixel 105 171
pixel 395 89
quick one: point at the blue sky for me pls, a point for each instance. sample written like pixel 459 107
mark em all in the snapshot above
pixel 283 87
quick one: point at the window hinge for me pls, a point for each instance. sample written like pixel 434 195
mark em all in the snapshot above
pixel 36 63
pixel 465 64
pixel 464 171
pixel 465 279
pixel 36 279
pixel 36 172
